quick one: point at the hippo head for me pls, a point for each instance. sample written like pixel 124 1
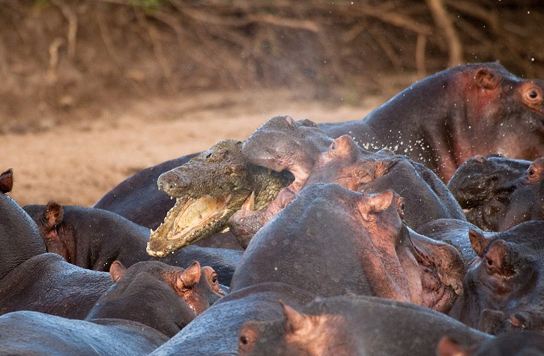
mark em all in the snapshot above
pixel 505 113
pixel 297 334
pixel 156 294
pixel 208 190
pixel 341 162
pixel 285 144
pixel 345 163
pixel 527 200
pixel 502 285
pixel 483 186
pixel 57 235
pixel 421 270
pixel 511 344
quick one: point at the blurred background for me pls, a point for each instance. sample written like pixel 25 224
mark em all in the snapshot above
pixel 94 90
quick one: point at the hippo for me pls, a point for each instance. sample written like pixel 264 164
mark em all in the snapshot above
pixel 184 294
pixel 353 325
pixel 137 197
pixel 345 163
pixel 93 238
pixel 499 192
pixel 208 190
pixel 148 303
pixel 19 235
pixel 474 101
pixel 216 331
pixel 282 144
pixel 355 242
pixel 456 233
pixel 527 200
pixel 516 343
pixel 47 283
pixel 502 289
pixel 450 116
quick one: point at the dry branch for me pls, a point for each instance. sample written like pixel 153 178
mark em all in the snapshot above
pixel 443 21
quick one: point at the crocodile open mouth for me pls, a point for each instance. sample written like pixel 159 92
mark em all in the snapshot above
pixel 190 220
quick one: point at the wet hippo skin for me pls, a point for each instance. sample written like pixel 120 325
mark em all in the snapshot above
pixel 448 117
pixel 455 232
pixel 319 159
pixel 28 332
pixel 499 192
pixel 138 199
pixel 517 343
pixel 215 332
pixel 93 238
pixel 353 326
pixel 48 284
pixel 146 305
pixel 355 242
pixel 502 286
pixel 19 235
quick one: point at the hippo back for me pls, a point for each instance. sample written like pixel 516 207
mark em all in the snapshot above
pixel 138 199
pixel 28 332
pixel 215 332
pixel 19 236
pixel 46 283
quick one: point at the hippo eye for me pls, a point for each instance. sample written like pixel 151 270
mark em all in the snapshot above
pixel 533 96
pixel 209 155
pixel 531 172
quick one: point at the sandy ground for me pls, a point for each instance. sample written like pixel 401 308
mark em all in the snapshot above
pixel 78 163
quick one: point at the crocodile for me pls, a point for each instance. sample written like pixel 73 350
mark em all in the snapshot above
pixel 208 190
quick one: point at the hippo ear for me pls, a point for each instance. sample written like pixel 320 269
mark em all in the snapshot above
pixel 189 277
pixel 478 241
pixel 486 78
pixel 294 321
pixel 53 214
pixel 449 347
pixel 375 203
pixel 117 271
pixel 290 121
pixel 6 181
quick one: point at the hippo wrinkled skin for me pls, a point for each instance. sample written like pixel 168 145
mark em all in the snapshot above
pixel 148 303
pixel 93 238
pixel 499 193
pixel 320 159
pixel 353 326
pixel 355 242
pixel 448 117
pixel 502 286
pixel 518 343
